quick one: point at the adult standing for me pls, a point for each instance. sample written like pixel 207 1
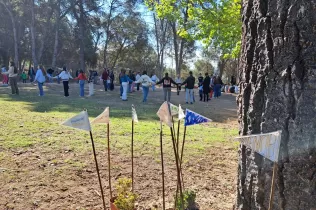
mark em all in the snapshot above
pixel 133 78
pixel 178 81
pixel 137 78
pixel 65 76
pixel 146 82
pixel 40 78
pixel 5 78
pixel 112 81
pixel 200 79
pixel 206 87
pixel 154 79
pixel 13 78
pixel 31 74
pixel 190 82
pixel 125 80
pixel 104 77
pixel 217 87
pixel 166 84
pixel 82 79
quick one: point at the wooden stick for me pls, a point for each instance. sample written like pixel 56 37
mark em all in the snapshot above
pixel 275 165
pixel 98 172
pixel 182 151
pixel 132 148
pixel 163 170
pixel 109 160
pixel 178 166
pixel 184 134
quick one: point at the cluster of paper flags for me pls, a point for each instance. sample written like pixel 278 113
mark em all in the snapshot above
pixel 168 110
pixel 165 113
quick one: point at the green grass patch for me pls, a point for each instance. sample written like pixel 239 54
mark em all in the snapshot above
pixel 31 121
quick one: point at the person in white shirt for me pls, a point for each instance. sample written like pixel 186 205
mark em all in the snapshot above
pixel 179 82
pixel 154 79
pixel 137 78
pixel 65 76
pixel 146 83
pixel 40 78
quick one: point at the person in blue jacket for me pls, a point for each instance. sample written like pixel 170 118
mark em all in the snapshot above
pixel 125 80
pixel 40 77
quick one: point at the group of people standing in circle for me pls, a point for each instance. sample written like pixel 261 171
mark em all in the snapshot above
pixel 209 86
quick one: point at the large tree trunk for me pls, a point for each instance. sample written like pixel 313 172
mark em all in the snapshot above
pixel 277 75
pixel 33 38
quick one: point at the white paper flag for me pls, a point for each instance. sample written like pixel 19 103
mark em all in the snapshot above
pixel 80 121
pixel 174 109
pixel 267 145
pixel 103 118
pixel 164 114
pixel 134 114
pixel 181 113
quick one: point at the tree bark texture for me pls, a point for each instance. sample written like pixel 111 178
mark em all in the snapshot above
pixel 278 92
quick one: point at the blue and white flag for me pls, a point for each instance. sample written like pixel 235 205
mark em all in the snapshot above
pixel 192 118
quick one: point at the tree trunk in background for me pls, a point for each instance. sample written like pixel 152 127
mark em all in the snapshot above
pixel 33 36
pixel 81 36
pixel 278 92
pixel 55 44
pixel 15 35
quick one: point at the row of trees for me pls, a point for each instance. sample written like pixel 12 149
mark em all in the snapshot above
pixel 98 33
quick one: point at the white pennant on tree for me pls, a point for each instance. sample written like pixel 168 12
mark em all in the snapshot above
pixel 103 118
pixel 267 145
pixel 164 114
pixel 80 121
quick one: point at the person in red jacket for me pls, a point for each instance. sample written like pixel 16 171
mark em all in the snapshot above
pixel 104 77
pixel 82 78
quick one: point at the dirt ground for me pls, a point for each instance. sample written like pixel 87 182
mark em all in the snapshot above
pixel 38 178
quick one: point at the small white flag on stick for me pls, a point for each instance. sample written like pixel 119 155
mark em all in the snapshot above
pixel 174 109
pixel 103 118
pixel 267 145
pixel 134 114
pixel 80 121
pixel 164 114
pixel 181 113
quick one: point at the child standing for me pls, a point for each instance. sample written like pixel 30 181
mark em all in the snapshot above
pixel 82 79
pixel 24 77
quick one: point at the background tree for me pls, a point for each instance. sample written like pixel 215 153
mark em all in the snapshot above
pixel 277 86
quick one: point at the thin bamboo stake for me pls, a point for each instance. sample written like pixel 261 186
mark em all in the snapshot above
pixel 98 172
pixel 275 165
pixel 178 167
pixel 109 160
pixel 132 148
pixel 163 170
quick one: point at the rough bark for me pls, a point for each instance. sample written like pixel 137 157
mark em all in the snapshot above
pixel 277 83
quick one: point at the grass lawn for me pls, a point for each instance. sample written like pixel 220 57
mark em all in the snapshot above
pixel 44 165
